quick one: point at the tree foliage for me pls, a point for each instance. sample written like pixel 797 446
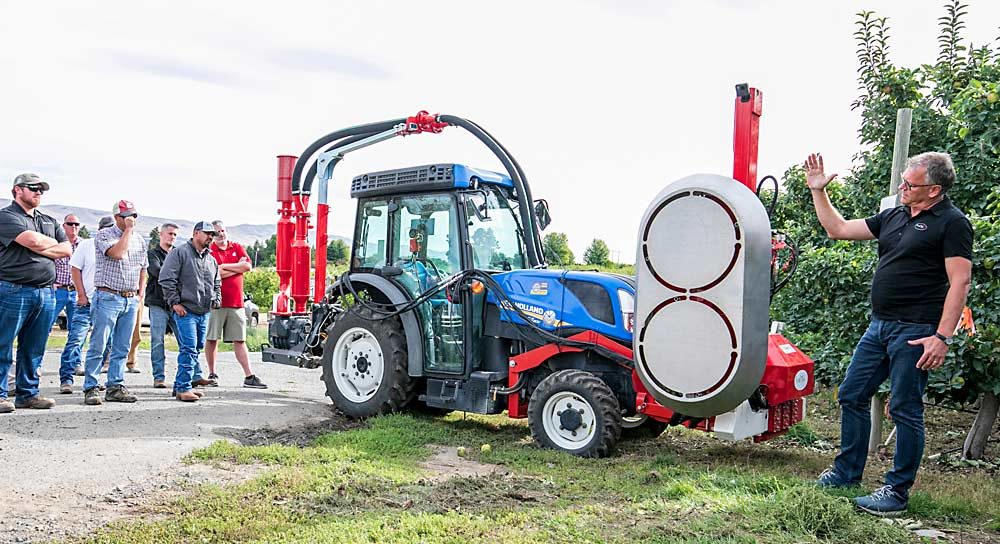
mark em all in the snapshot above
pixel 956 110
pixel 556 248
pixel 597 253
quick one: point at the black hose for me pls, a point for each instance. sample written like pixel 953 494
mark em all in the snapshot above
pixel 774 196
pixel 523 194
pixel 370 128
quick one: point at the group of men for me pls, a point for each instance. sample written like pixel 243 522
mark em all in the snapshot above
pixel 102 285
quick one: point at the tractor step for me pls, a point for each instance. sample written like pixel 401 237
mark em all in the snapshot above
pixel 472 395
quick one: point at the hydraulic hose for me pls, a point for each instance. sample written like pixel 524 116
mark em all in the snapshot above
pixel 297 184
pixel 523 198
pixel 527 189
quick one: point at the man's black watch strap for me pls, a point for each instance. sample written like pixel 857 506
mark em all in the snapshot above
pixel 946 339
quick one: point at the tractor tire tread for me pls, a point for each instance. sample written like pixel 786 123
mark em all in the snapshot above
pixel 604 402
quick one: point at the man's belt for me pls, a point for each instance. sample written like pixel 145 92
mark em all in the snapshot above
pixel 69 287
pixel 126 294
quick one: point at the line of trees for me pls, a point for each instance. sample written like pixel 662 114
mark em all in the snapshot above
pixel 557 251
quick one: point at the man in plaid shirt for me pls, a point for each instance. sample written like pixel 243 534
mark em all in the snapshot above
pixel 119 277
pixel 65 290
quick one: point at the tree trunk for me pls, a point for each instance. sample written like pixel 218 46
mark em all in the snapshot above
pixel 979 434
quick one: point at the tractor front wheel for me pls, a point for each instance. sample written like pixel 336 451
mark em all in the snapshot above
pixel 575 411
pixel 364 364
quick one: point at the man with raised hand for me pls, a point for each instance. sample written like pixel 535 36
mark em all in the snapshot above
pixel 192 288
pixel 918 292
pixel 82 265
pixel 30 241
pixel 119 276
pixel 229 323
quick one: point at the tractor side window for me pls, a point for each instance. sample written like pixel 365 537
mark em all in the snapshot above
pixel 426 238
pixel 372 232
pixel 494 234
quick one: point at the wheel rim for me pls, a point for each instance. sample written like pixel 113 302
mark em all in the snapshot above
pixel 569 420
pixel 358 365
pixel 633 422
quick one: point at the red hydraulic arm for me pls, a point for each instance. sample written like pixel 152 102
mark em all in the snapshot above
pixel 745 135
pixel 283 263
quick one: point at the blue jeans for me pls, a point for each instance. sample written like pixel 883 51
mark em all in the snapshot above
pixel 113 317
pixel 64 299
pixel 79 328
pixel 191 330
pixel 883 352
pixel 25 314
pixel 159 320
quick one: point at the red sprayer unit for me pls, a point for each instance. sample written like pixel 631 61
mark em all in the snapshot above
pixel 283 240
pixel 746 133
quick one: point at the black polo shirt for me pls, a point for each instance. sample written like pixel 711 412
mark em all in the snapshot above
pixel 17 263
pixel 911 282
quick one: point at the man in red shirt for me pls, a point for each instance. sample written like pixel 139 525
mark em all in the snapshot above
pixel 229 323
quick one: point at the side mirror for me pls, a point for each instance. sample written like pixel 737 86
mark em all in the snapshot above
pixel 542 214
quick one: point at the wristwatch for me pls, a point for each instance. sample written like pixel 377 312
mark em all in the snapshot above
pixel 948 340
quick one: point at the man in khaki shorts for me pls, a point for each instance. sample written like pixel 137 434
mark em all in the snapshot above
pixel 229 323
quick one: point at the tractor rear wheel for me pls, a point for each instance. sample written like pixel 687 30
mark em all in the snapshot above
pixel 364 364
pixel 575 411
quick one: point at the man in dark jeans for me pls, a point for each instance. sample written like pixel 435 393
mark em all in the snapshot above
pixel 192 287
pixel 918 292
pixel 29 243
pixel 160 315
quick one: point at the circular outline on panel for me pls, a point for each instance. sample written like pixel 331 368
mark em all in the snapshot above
pixel 732 356
pixel 736 247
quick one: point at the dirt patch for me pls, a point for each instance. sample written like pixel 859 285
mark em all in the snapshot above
pixel 36 518
pixel 446 463
pixel 297 435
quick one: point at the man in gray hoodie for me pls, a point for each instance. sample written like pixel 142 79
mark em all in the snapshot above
pixel 191 288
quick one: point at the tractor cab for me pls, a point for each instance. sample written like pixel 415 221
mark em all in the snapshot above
pixel 419 227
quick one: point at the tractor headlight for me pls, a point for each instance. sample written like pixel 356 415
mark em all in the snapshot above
pixel 627 303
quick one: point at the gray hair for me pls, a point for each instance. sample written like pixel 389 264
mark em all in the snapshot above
pixel 940 169
pixel 217 223
pixel 168 225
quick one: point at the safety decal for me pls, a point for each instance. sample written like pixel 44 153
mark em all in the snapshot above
pixel 540 288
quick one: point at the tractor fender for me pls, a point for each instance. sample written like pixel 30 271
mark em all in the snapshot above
pixel 411 326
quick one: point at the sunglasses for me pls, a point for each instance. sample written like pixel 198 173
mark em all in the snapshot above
pixel 72 224
pixel 34 188
pixel 911 186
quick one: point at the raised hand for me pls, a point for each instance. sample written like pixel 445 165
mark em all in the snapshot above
pixel 816 178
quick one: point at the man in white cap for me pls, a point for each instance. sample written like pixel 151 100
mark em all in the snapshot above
pixel 29 243
pixel 119 277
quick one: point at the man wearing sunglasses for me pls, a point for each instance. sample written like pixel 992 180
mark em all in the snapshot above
pixel 65 290
pixel 918 293
pixel 30 241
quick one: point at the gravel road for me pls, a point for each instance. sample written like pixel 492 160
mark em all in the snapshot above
pixel 73 468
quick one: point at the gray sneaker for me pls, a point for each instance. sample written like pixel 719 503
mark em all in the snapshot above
pixel 6 406
pixel 254 382
pixel 119 393
pixel 79 371
pixel 92 397
pixel 37 402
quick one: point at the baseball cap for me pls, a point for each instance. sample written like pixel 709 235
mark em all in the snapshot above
pixel 124 208
pixel 30 179
pixel 105 222
pixel 205 226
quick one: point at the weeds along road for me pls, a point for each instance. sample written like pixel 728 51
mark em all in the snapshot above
pixel 75 467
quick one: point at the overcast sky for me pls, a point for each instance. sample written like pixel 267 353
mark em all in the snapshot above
pixel 183 106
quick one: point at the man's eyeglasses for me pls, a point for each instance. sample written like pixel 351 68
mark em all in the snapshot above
pixel 910 186
pixel 72 224
pixel 34 188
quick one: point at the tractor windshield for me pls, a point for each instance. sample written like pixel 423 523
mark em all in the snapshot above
pixel 494 232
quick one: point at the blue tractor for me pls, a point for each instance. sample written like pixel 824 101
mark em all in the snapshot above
pixel 448 305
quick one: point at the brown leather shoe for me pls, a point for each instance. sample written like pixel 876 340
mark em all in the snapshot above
pixel 159 384
pixel 205 383
pixel 188 396
pixel 37 402
pixel 6 406
pixel 66 389
pixel 173 393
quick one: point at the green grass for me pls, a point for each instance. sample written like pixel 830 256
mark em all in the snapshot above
pixel 367 485
pixel 255 338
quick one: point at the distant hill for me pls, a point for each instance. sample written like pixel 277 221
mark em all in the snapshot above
pixel 244 234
